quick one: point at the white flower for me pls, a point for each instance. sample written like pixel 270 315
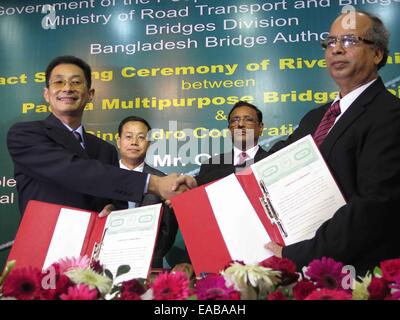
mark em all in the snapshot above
pixel 360 291
pixel 252 281
pixel 91 278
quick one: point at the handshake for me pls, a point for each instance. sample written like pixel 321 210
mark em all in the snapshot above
pixel 171 185
pixel 164 187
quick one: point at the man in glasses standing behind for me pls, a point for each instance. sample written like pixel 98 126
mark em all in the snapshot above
pixel 358 135
pixel 246 125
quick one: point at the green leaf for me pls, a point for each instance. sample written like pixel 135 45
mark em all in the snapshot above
pixel 9 266
pixel 377 272
pixel 123 269
pixel 108 274
pixel 192 297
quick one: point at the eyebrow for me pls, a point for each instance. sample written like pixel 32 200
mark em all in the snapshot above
pixel 63 75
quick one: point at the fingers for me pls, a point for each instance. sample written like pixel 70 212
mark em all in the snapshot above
pixel 106 210
pixel 171 185
pixel 188 181
pixel 274 248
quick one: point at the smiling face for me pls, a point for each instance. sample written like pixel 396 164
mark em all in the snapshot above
pixel 245 127
pixel 68 93
pixel 133 143
pixel 356 65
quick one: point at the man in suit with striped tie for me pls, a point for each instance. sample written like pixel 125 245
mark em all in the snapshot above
pixel 358 136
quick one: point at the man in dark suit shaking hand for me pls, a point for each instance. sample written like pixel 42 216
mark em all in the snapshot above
pixel 56 161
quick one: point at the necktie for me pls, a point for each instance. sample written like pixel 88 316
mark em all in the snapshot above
pixel 77 136
pixel 243 156
pixel 326 123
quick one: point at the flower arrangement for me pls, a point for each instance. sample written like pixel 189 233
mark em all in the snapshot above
pixel 272 279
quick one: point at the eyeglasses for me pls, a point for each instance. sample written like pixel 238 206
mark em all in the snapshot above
pixel 247 120
pixel 76 84
pixel 130 137
pixel 346 41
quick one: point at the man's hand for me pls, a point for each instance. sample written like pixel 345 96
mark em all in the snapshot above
pixel 171 185
pixel 106 210
pixel 187 181
pixel 275 248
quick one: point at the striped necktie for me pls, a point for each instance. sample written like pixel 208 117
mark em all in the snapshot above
pixel 326 123
pixel 77 136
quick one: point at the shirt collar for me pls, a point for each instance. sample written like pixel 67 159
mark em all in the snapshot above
pixel 139 168
pixel 79 130
pixel 250 152
pixel 349 98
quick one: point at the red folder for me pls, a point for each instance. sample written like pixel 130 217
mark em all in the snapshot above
pixel 36 230
pixel 203 239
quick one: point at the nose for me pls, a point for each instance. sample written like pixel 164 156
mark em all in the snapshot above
pixel 338 48
pixel 67 86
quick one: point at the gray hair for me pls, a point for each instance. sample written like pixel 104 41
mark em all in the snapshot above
pixel 379 35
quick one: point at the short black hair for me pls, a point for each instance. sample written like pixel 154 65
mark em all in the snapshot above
pixel 129 119
pixel 70 60
pixel 242 103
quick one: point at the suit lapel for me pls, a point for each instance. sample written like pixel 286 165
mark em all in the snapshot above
pixel 91 149
pixel 357 108
pixel 59 133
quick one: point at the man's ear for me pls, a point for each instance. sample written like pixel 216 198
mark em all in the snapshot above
pixel 46 94
pixel 119 142
pixel 261 129
pixel 91 95
pixel 378 56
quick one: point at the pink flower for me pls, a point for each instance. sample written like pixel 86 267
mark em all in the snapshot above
pixel 23 284
pixel 327 273
pixel 96 266
pixel 276 296
pixel 396 287
pixel 130 296
pixel 70 263
pixel 132 290
pixel 378 289
pixel 59 286
pixel 286 266
pixel 80 292
pixel 171 286
pixel 213 287
pixel 303 288
pixel 390 269
pixel 327 294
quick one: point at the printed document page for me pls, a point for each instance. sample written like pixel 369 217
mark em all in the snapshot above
pixel 129 239
pixel 301 188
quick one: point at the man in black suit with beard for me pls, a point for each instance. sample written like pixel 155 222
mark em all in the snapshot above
pixel 246 125
pixel 362 150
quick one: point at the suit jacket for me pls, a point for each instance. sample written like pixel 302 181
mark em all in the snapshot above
pixel 363 153
pixel 222 165
pixel 50 165
pixel 168 226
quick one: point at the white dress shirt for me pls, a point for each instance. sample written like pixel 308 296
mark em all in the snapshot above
pixel 139 168
pixel 250 152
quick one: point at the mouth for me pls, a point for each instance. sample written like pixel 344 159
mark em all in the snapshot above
pixel 67 99
pixel 338 64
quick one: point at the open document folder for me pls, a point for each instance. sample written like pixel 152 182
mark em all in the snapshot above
pixel 49 232
pixel 284 198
